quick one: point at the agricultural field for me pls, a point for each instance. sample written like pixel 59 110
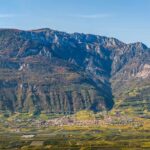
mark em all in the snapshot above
pixel 87 132
pixel 77 138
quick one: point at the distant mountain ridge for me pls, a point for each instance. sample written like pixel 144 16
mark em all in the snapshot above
pixel 55 72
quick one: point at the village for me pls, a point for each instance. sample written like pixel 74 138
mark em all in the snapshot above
pixel 17 125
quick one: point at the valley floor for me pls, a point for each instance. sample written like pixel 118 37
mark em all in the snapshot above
pixel 108 133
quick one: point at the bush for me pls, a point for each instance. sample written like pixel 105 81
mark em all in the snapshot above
pixel 85 115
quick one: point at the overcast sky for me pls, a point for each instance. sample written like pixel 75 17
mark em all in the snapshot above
pixel 127 20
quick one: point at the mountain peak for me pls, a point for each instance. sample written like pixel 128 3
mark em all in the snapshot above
pixel 41 30
pixel 139 45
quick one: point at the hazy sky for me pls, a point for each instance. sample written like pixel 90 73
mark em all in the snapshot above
pixel 127 20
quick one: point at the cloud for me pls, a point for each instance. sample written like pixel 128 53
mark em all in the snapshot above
pixel 7 15
pixel 92 16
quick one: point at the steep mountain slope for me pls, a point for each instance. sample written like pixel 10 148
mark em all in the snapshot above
pixel 131 84
pixel 49 71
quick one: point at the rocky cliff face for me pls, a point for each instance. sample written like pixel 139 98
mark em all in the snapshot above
pixel 55 72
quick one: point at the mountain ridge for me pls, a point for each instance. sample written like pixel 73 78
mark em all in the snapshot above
pixel 85 63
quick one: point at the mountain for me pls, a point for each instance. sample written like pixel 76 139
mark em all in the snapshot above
pixel 47 71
